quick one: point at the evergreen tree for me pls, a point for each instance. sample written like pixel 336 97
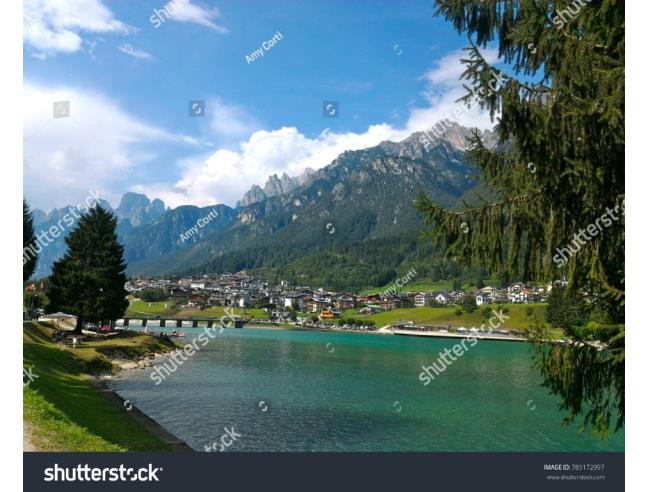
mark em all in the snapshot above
pixel 153 295
pixel 30 256
pixel 89 280
pixel 468 303
pixel 566 309
pixel 558 168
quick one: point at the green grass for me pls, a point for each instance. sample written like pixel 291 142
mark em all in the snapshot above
pixel 64 412
pixel 52 430
pixel 420 286
pixel 140 308
pixel 443 316
pixel 218 311
pixel 439 285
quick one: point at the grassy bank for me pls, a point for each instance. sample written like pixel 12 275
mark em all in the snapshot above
pixel 64 411
pixel 520 316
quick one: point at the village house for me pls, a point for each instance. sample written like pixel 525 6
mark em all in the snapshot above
pixel 370 309
pixel 217 298
pixel 197 300
pixel 345 302
pixel 441 298
pixel 394 302
pixel 328 314
pixel 294 301
pixel 422 299
pixel 317 304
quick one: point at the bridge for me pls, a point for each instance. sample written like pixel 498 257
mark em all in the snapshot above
pixel 178 321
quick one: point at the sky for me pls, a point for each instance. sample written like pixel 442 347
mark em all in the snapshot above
pixel 194 102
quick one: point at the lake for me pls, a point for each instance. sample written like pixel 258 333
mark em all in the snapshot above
pixel 290 390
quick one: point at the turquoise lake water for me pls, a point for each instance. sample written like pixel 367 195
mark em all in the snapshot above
pixel 288 390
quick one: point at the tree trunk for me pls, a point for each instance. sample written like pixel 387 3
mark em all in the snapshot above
pixel 79 325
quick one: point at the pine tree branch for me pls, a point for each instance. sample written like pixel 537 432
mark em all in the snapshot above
pixel 517 199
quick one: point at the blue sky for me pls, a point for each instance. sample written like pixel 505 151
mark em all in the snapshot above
pixel 391 66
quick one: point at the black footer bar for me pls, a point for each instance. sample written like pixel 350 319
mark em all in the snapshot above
pixel 333 472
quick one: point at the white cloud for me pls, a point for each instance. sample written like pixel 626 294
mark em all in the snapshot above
pixel 225 175
pixel 442 91
pixel 96 147
pixel 448 69
pixel 55 26
pixel 229 121
pixel 134 52
pixel 185 11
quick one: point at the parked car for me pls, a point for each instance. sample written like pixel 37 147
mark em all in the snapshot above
pixel 105 329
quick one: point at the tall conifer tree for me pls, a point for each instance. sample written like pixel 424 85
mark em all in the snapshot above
pixel 89 280
pixel 558 169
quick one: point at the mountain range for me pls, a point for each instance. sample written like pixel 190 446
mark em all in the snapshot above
pixel 350 224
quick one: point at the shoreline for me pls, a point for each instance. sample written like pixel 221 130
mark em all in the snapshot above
pixel 101 383
pixel 385 331
pixel 439 334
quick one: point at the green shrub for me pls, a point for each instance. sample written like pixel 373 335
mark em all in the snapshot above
pixel 468 303
pixel 99 365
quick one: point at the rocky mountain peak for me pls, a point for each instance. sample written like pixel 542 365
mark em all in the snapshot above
pixel 443 133
pixel 278 186
pixel 274 186
pixel 137 208
pixel 255 194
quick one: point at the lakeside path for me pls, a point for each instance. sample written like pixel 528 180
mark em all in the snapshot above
pixel 439 334
pixel 385 330
pixel 388 330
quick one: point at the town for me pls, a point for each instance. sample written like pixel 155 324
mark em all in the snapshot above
pixel 303 305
